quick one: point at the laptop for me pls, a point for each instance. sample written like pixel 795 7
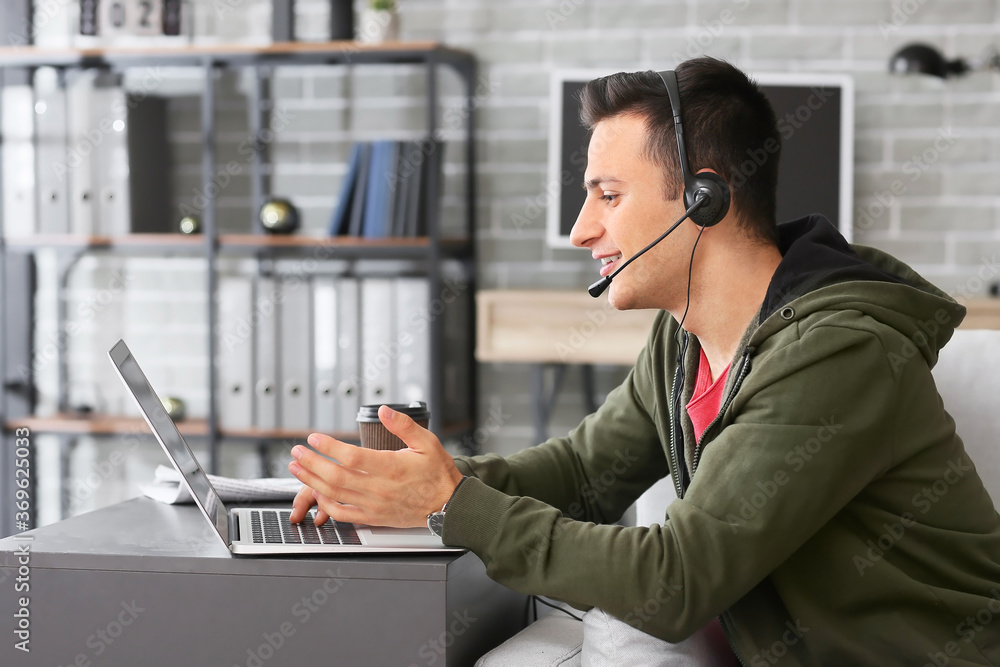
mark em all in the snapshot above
pixel 253 531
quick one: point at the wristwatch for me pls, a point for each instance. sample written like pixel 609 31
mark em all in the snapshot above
pixel 435 520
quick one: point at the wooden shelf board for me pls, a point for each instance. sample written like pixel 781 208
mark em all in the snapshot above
pixel 279 434
pixel 292 241
pixel 190 55
pixel 231 241
pixel 85 241
pixel 113 425
pixel 98 425
pixel 277 48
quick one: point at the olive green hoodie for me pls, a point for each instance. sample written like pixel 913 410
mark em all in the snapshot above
pixel 830 515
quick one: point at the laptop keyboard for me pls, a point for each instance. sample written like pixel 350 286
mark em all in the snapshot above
pixel 274 527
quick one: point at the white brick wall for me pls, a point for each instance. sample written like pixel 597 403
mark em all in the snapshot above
pixel 944 223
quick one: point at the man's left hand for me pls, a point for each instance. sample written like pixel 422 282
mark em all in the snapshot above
pixel 380 488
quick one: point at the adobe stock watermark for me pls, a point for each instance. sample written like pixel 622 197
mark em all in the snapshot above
pixel 265 309
pixel 918 164
pixel 580 334
pixel 924 501
pixel 796 459
pixel 710 30
pixel 82 487
pixel 78 153
pixel 928 329
pixel 303 611
pixel 87 311
pixel 787 126
pixel 434 649
pixel 495 420
pixel 418 495
pixel 417 323
pixel 248 149
pixel 559 15
pixel 454 117
pixel 535 206
pixel 902 12
pixel 779 648
pixel 643 613
pixel 591 491
pixel 44 12
pixel 967 629
pixel 103 638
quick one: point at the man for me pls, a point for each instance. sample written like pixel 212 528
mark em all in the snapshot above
pixel 794 410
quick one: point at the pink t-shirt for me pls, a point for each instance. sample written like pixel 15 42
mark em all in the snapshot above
pixel 707 397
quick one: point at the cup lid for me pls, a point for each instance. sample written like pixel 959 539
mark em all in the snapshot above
pixel 417 411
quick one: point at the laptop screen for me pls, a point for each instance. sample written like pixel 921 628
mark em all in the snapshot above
pixel 170 438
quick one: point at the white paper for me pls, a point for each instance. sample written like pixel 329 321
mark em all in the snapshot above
pixel 167 488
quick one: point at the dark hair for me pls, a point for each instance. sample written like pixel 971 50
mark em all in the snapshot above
pixel 729 126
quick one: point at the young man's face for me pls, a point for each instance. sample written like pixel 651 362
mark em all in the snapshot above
pixel 625 211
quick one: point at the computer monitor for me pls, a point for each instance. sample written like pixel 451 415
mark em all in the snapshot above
pixel 815 114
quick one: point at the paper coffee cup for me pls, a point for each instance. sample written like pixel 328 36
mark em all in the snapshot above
pixel 376 436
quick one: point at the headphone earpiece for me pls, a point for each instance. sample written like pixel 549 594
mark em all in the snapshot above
pixel 713 189
pixel 706 185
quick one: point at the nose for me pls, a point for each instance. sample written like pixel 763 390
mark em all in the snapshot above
pixel 588 227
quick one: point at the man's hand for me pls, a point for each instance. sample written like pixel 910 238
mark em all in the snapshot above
pixel 380 488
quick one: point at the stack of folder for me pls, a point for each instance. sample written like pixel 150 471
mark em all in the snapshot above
pixel 386 192
pixel 82 156
pixel 304 354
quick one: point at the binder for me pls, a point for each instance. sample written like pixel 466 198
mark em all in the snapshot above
pixel 149 175
pixel 433 158
pixel 51 144
pixel 378 354
pixel 348 388
pixel 413 335
pixel 235 363
pixel 295 353
pixel 408 164
pixel 17 125
pixel 171 17
pixel 111 161
pixel 88 17
pixel 325 353
pixel 383 163
pixel 414 196
pixel 80 156
pixel 341 215
pixel 360 187
pixel 391 191
pixel 265 321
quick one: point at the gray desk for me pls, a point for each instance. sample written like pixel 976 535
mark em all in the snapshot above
pixel 141 584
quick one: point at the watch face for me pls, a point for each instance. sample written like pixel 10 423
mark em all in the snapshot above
pixel 436 523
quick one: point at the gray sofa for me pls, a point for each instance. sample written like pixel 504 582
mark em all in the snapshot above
pixel 968 377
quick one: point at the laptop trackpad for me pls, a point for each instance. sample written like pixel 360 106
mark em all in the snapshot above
pixel 391 537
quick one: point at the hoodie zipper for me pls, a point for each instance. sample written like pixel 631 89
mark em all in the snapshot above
pixel 729 638
pixel 675 423
pixel 674 459
pixel 744 369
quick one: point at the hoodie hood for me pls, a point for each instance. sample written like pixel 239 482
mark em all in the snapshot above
pixel 820 270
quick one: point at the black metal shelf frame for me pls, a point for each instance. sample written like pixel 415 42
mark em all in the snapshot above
pixel 211 61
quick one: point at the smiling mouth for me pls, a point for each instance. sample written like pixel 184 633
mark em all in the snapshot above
pixel 607 262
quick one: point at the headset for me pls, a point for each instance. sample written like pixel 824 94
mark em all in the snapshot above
pixel 706 195
pixel 711 189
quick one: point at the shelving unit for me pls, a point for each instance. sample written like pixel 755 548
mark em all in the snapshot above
pixel 430 250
